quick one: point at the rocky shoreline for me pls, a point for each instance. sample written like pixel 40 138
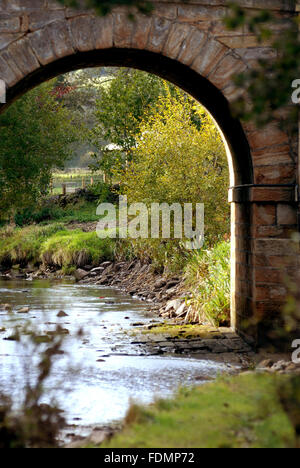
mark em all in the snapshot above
pixel 134 278
pixel 167 301
pixel 167 296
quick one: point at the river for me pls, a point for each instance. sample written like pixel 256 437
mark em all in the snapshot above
pixel 101 372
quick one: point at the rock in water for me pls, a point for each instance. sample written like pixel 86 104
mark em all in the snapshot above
pixel 61 313
pixel 80 274
pixel 24 310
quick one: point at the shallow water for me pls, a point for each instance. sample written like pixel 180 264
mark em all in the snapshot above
pixel 90 392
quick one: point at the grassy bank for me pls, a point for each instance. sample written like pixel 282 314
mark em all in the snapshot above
pixel 233 412
pixel 53 245
pixel 205 274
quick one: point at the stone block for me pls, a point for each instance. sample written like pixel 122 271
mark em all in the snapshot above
pixel 210 56
pixel 158 34
pixel 23 56
pixel 61 39
pixel 177 36
pixel 42 47
pixel 192 46
pixel 82 33
pixel 123 29
pixel 103 32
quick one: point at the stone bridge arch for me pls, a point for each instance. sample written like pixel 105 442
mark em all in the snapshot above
pixel 187 44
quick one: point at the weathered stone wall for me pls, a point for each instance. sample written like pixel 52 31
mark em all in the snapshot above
pixel 35 34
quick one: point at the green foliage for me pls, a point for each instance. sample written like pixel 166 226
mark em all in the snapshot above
pixel 269 84
pixel 76 207
pixel 174 161
pixel 208 275
pixel 77 248
pixel 45 213
pixel 105 192
pixel 53 245
pixel 34 214
pixel 165 257
pixel 20 246
pixel 233 412
pixel 119 110
pixel 36 133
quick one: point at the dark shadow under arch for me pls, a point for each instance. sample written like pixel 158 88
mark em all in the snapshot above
pixel 181 75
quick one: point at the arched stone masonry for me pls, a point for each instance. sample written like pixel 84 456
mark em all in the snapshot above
pixel 188 44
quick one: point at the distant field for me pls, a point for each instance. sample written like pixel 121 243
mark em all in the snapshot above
pixel 73 179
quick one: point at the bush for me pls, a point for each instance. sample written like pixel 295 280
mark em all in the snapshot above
pixel 38 215
pixel 208 274
pixel 106 193
pixel 166 257
pixel 175 161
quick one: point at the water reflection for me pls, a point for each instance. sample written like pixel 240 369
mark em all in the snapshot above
pixel 107 371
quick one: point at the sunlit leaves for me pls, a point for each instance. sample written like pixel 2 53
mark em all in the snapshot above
pixel 174 161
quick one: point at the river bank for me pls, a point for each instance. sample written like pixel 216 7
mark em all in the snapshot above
pixel 126 350
pixel 101 370
pixel 167 299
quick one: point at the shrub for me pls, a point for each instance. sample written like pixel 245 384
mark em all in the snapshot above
pixel 208 274
pixel 106 193
pixel 177 161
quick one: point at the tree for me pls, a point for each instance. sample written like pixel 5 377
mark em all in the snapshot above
pixel 36 133
pixel 176 162
pixel 120 108
pixel 78 91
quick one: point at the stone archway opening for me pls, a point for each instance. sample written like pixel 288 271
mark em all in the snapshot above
pixel 188 45
pixel 235 141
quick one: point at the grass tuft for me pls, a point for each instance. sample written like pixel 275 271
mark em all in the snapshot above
pixel 233 412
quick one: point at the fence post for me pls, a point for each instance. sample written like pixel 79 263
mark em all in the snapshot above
pixel 64 189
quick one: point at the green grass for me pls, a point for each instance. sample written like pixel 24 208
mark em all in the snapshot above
pixel 207 274
pixel 53 245
pixel 79 248
pixel 23 245
pixel 233 412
